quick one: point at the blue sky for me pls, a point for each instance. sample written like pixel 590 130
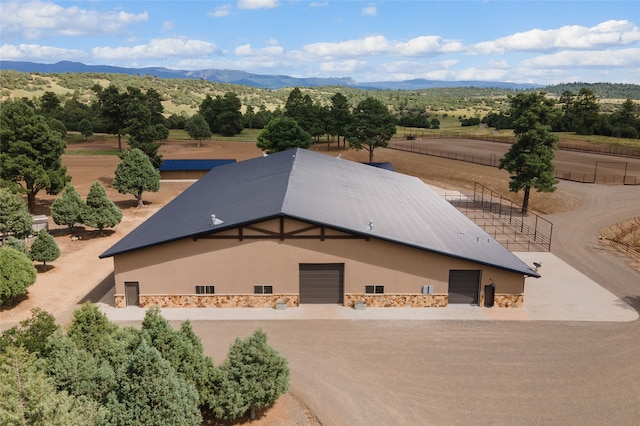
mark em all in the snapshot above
pixel 544 42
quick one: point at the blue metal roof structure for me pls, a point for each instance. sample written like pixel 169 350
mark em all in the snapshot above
pixel 192 165
pixel 329 191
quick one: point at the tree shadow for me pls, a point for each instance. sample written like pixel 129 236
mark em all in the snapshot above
pixel 209 418
pixel 14 302
pixel 106 181
pixel 43 207
pixel 80 233
pixel 131 204
pixel 44 268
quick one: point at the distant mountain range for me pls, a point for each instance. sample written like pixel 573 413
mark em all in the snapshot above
pixel 253 80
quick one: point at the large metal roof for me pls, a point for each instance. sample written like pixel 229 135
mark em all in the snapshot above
pixel 329 191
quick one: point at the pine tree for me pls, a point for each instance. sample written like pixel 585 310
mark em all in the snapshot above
pixel 28 396
pixel 30 151
pixel 33 332
pixel 197 128
pixel 17 273
pixel 15 219
pixel 90 329
pixel 282 134
pixel 372 126
pixel 183 349
pixel 100 212
pixel 530 159
pixel 44 248
pixel 254 376
pixel 152 393
pixel 68 208
pixel 17 244
pixel 135 174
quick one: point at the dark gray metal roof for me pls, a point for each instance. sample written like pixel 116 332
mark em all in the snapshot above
pixel 326 190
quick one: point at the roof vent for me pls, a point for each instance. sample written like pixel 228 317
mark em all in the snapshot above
pixel 215 221
pixel 370 226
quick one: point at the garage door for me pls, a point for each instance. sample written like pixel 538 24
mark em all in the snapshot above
pixel 321 282
pixel 463 287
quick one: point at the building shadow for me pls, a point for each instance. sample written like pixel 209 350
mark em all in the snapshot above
pixel 633 301
pixel 98 293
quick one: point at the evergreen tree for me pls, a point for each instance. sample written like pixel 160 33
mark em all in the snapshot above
pixel 135 174
pixel 77 371
pixel 32 334
pixel 152 393
pixel 254 376
pixel 372 126
pixel 17 273
pixel 530 160
pixel 142 134
pixel 90 329
pixel 30 152
pixel 28 396
pixel 68 208
pixel 282 134
pixel 17 244
pixel 111 107
pixel 183 349
pixel 15 219
pixel 340 115
pixel 197 128
pixel 85 128
pixel 44 248
pixel 101 212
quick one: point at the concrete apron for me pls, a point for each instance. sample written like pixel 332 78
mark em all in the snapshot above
pixel 561 294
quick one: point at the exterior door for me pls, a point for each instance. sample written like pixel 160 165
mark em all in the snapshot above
pixel 322 283
pixel 132 293
pixel 464 287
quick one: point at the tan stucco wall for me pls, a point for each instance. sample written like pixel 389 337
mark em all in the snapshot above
pixel 234 266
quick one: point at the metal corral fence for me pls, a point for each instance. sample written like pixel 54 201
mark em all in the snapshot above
pixel 493 161
pixel 503 220
pixel 563 144
pixel 626 248
pixel 592 178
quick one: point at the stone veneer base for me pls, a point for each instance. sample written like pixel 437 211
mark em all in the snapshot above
pixel 397 300
pixel 505 300
pixel 212 301
pixel 293 300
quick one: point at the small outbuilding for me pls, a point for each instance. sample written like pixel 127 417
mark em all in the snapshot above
pixel 189 169
pixel 301 227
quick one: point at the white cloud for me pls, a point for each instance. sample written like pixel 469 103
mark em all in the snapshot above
pixel 319 4
pixel 269 51
pixel 221 11
pixel 341 67
pixel 573 59
pixel 605 34
pixel 258 4
pixel 32 20
pixel 379 45
pixel 35 52
pixel 167 26
pixel 157 49
pixel 371 10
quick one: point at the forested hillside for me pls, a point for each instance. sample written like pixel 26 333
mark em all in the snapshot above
pixel 184 96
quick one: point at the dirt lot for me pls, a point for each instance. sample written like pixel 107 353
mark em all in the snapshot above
pixel 541 373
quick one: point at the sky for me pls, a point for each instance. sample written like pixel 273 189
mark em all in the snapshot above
pixel 541 42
